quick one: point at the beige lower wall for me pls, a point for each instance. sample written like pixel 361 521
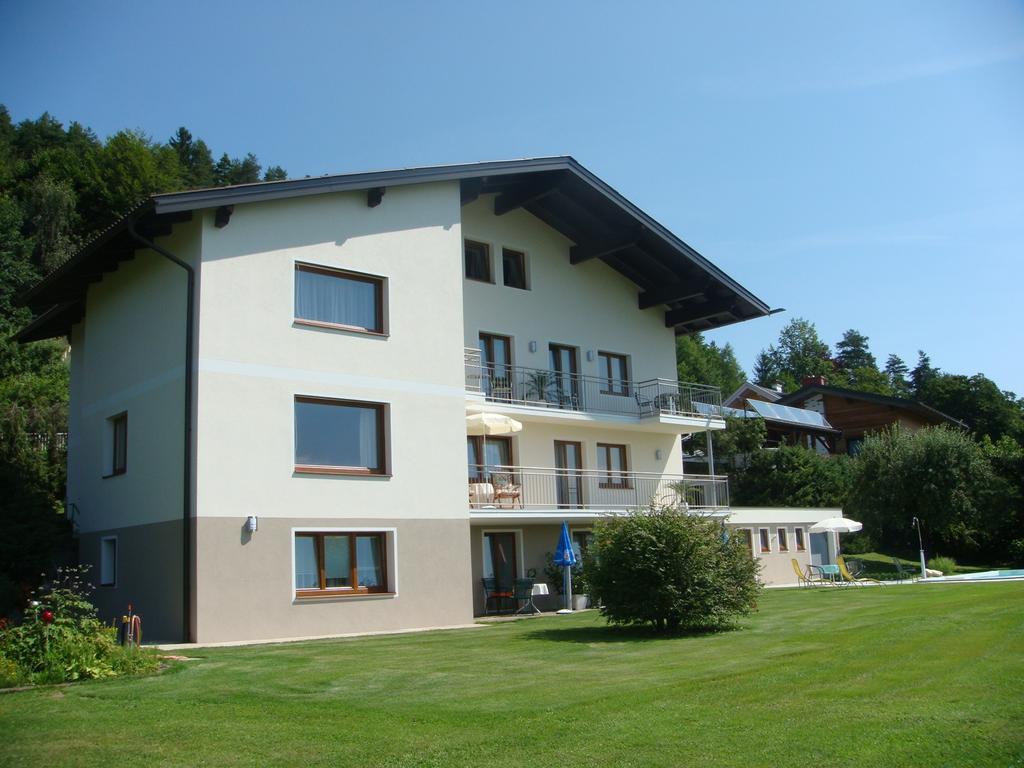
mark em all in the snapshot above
pixel 148 576
pixel 244 582
pixel 777 567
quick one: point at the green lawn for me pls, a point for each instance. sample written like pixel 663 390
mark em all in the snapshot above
pixel 922 675
pixel 879 566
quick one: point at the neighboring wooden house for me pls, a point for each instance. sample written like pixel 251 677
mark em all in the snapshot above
pixel 751 391
pixel 858 414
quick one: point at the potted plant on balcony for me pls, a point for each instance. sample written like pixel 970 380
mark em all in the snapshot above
pixel 538 386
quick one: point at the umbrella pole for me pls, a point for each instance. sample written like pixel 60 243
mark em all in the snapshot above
pixel 567 578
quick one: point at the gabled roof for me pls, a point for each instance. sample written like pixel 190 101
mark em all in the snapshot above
pixel 603 224
pixel 925 411
pixel 769 395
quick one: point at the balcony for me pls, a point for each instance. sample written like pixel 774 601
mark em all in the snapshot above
pixel 548 395
pixel 571 491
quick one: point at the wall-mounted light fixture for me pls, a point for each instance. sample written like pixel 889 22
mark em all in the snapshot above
pixel 251 524
pixel 657 454
pixel 533 346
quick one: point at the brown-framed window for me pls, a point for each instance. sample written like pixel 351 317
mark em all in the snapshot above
pixel 478 261
pixel 783 535
pixel 341 437
pixel 765 537
pixel 119 444
pixel 496 356
pixel 798 536
pixel 340 563
pixel 336 298
pixel 612 462
pixel 513 266
pixel 485 455
pixel 614 372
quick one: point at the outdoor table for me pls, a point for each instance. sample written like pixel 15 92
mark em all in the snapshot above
pixel 540 588
pixel 831 570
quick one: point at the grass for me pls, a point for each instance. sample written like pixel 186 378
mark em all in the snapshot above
pixel 879 566
pixel 897 676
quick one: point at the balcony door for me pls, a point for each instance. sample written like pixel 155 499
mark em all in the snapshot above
pixel 496 358
pixel 569 461
pixel 500 559
pixel 486 456
pixel 565 366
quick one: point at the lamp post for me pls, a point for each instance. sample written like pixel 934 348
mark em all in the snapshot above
pixel 920 544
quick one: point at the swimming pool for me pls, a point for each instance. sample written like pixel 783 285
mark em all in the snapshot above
pixel 1010 575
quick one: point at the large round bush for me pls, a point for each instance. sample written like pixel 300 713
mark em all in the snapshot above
pixel 671 569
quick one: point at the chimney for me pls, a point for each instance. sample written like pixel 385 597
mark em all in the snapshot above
pixel 815 381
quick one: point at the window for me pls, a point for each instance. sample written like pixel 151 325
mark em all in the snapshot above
pixel 340 564
pixel 339 436
pixel 565 365
pixel 798 535
pixel 496 357
pixel 334 298
pixel 611 460
pixel 513 264
pixel 581 541
pixel 117 437
pixel 747 538
pixel 783 540
pixel 498 452
pixel 766 540
pixel 613 372
pixel 478 261
pixel 108 561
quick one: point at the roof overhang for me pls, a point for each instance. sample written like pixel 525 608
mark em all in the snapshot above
pixel 604 225
pixel 925 411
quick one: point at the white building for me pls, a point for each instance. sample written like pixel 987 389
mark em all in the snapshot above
pixel 341 330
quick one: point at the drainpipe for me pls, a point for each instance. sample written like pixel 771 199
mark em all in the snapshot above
pixel 186 511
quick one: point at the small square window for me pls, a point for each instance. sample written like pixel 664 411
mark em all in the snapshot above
pixel 478 262
pixel 514 268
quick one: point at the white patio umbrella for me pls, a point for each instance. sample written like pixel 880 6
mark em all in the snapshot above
pixel 484 424
pixel 836 525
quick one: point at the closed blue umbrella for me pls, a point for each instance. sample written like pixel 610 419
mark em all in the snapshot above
pixel 566 557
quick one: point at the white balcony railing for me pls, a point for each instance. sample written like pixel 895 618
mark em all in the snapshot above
pixel 510 487
pixel 541 388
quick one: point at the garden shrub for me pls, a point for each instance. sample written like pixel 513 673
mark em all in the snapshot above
pixel 945 564
pixel 61 638
pixel 1016 551
pixel 670 569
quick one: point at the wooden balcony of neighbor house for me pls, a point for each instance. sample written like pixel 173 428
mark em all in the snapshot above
pixel 569 491
pixel 544 395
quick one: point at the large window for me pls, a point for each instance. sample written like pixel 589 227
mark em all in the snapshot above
pixel 613 370
pixel 478 261
pixel 513 265
pixel 611 460
pixel 340 563
pixel 337 299
pixel 339 436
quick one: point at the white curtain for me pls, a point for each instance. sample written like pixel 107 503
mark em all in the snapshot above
pixel 335 299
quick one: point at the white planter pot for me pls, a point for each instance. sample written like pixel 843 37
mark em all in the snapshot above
pixel 579 602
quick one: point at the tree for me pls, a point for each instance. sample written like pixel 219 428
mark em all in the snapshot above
pixel 800 353
pixel 792 476
pixel 852 352
pixel 195 159
pixel 132 168
pixel 923 373
pixel 939 475
pixel 705 363
pixel 896 375
pixel 977 401
pixel 275 173
pixel 669 569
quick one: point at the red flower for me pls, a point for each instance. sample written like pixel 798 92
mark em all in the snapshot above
pixel 47 616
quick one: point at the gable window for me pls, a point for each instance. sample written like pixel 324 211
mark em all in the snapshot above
pixel 766 540
pixel 611 461
pixel 117 445
pixel 337 564
pixel 335 298
pixel 339 436
pixel 783 540
pixel 613 370
pixel 478 261
pixel 108 561
pixel 513 264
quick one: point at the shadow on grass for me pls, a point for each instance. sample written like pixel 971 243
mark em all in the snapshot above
pixel 617 634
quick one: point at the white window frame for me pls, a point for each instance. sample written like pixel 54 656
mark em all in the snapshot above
pixel 782 535
pixel 796 542
pixel 761 551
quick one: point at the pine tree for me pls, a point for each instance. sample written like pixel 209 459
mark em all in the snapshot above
pixel 896 372
pixel 922 374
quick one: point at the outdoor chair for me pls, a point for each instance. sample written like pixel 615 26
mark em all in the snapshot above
pixel 523 596
pixel 494 595
pixel 644 403
pixel 507 490
pixel 481 495
pixel 808 579
pixel 903 572
pixel 849 578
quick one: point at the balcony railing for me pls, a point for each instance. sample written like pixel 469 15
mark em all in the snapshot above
pixel 508 487
pixel 590 394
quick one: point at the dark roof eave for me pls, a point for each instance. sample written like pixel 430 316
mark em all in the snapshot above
pixel 896 402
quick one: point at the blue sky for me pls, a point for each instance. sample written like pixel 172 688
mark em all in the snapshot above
pixel 860 164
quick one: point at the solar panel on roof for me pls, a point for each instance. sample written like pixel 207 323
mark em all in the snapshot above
pixel 723 410
pixel 790 415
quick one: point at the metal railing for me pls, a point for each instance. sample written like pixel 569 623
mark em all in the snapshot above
pixel 511 487
pixel 590 394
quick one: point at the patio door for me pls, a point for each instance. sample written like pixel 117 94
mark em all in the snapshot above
pixel 565 366
pixel 500 558
pixel 496 357
pixel 569 461
pixel 819 549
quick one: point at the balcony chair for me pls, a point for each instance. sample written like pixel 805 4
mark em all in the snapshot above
pixel 644 404
pixel 523 596
pixel 493 594
pixel 481 495
pixel 506 489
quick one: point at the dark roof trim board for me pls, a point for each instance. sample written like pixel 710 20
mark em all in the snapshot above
pixel 894 402
pixel 557 190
